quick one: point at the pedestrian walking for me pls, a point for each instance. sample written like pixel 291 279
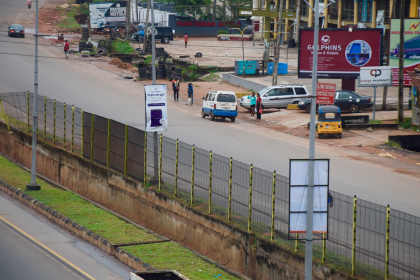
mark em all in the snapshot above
pixel 190 93
pixel 186 39
pixel 252 103
pixel 175 86
pixel 258 107
pixel 66 49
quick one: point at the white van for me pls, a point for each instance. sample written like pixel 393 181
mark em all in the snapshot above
pixel 220 104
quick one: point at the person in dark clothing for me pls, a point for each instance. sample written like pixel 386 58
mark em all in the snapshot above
pixel 259 106
pixel 190 93
pixel 175 86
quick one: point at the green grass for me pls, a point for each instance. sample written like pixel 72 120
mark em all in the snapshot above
pixel 69 24
pixel 211 77
pixel 393 144
pixel 122 47
pixel 375 121
pixel 148 59
pixel 75 208
pixel 406 123
pixel 173 256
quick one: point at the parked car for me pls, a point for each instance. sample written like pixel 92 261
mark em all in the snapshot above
pixel 16 30
pixel 164 34
pixel 346 100
pixel 220 104
pixel 278 96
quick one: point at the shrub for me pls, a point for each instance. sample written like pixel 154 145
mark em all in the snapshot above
pixel 222 32
pixel 119 46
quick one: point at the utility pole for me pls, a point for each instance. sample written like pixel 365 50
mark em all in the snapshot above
pixel 33 186
pixel 401 65
pixel 277 48
pixel 297 25
pixel 127 20
pixel 155 134
pixel 145 28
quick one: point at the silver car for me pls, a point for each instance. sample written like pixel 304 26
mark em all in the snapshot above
pixel 279 96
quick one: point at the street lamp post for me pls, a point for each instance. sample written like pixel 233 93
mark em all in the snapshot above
pixel 310 198
pixel 33 186
pixel 243 51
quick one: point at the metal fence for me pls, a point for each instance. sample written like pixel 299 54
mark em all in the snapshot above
pixel 364 238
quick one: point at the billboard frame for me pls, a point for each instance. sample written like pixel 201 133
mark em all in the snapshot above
pixel 382 48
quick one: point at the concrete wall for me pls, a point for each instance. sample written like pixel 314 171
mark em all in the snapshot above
pixel 238 81
pixel 231 246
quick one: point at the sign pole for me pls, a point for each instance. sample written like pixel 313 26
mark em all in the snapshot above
pixel 374 101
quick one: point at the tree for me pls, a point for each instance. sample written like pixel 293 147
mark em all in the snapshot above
pixel 194 8
pixel 233 6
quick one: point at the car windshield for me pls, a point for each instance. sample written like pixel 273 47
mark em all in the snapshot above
pixel 16 26
pixel 226 98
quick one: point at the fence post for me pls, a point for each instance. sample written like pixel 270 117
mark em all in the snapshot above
pixel 250 196
pixel 176 168
pixel 353 248
pixel 91 136
pixel 160 162
pixel 230 189
pixel 145 157
pixel 296 242
pixel 324 246
pixel 108 143
pixel 72 129
pixel 27 97
pixel 273 205
pixel 55 114
pixel 192 175
pixel 126 150
pixel 388 218
pixel 5 117
pixel 65 107
pixel 45 118
pixel 210 178
pixel 83 124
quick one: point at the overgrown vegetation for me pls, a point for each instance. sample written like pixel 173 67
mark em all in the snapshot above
pixel 148 59
pixel 119 46
pixel 393 144
pixel 406 123
pixel 375 121
pixel 222 32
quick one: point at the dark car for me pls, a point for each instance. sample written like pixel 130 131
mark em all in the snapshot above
pixel 346 100
pixel 164 34
pixel 16 30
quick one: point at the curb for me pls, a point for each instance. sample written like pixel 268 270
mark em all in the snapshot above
pixel 76 228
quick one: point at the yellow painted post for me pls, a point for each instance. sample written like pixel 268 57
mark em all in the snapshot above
pixel 27 95
pixel 250 197
pixel 176 168
pixel 45 118
pixel 273 205
pixel 296 242
pixel 126 150
pixel 82 134
pixel 230 189
pixel 210 178
pixel 353 248
pixel 72 129
pixel 55 119
pixel 91 136
pixel 145 157
pixel 388 218
pixel 324 247
pixel 160 162
pixel 108 143
pixel 64 144
pixel 4 116
pixel 192 175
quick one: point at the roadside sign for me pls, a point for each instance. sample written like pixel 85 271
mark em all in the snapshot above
pixel 325 93
pixel 289 14
pixel 298 192
pixel 156 108
pixel 376 76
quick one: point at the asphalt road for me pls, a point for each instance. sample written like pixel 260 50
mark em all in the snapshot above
pixel 22 258
pixel 109 95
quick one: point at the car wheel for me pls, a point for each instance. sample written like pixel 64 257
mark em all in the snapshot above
pixel 340 135
pixel 211 116
pixel 320 135
pixel 308 108
pixel 232 119
pixel 354 108
pixel 165 40
pixel 223 118
pixel 202 114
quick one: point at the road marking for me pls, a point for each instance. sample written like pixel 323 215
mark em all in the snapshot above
pixel 46 248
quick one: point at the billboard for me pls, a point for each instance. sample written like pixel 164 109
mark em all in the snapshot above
pixel 375 76
pixel 411 48
pixel 298 192
pixel 341 52
pixel 103 14
pixel 325 93
pixel 156 107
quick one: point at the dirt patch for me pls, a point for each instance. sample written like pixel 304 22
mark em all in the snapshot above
pixel 115 61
